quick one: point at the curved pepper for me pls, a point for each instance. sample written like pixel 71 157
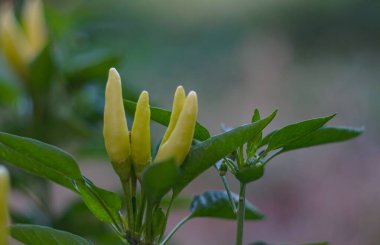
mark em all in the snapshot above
pixel 179 100
pixel 4 213
pixel 179 142
pixel 140 136
pixel 115 128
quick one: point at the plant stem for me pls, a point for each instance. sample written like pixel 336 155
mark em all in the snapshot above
pixel 168 237
pixel 134 208
pixel 148 223
pixel 167 217
pixel 140 213
pixel 241 215
pixel 227 187
pixel 127 194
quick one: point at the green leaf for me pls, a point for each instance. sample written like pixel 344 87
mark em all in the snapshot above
pixel 39 158
pixel 250 173
pixel 216 204
pixel 105 205
pixel 162 116
pixel 295 131
pixel 207 153
pixel 42 235
pixel 58 166
pixel 324 135
pixel 158 178
pixel 253 144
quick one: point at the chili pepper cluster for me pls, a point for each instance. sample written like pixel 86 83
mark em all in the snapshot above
pixel 130 152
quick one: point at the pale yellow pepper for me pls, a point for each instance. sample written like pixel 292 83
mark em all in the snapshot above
pixel 140 136
pixel 33 21
pixel 21 47
pixel 4 213
pixel 179 100
pixel 115 128
pixel 178 144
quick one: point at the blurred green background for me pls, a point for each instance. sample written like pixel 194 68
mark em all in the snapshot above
pixel 305 58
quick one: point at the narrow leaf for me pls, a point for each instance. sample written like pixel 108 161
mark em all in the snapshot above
pixel 158 179
pixel 162 116
pixel 324 135
pixel 42 235
pixel 207 153
pixel 105 205
pixel 58 166
pixel 295 131
pixel 39 158
pixel 215 204
pixel 253 144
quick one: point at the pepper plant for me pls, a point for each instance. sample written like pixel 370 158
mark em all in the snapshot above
pixel 185 152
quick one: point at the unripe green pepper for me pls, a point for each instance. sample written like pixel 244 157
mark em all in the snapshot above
pixel 115 128
pixel 179 142
pixel 4 213
pixel 140 136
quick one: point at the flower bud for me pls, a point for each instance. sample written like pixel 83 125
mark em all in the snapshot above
pixel 179 142
pixel 33 21
pixel 140 136
pixel 115 128
pixel 223 168
pixel 4 213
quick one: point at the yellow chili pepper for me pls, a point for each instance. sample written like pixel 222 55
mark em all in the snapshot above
pixel 140 136
pixel 136 149
pixel 4 213
pixel 115 128
pixel 179 100
pixel 178 144
pixel 21 47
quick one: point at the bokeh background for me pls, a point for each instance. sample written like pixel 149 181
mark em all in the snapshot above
pixel 305 58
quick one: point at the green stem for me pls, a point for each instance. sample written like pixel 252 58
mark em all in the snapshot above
pixel 227 187
pixel 149 223
pixel 271 157
pixel 140 213
pixel 128 200
pixel 167 217
pixel 241 215
pixel 182 222
pixel 134 208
